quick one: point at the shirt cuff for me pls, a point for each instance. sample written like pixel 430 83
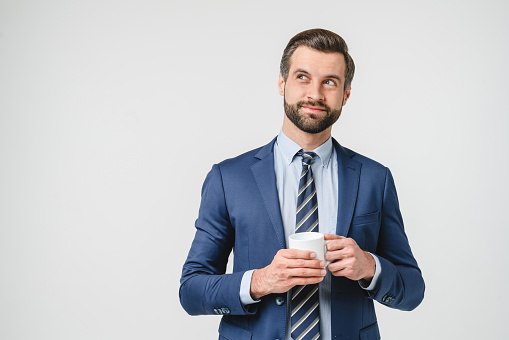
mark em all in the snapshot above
pixel 245 289
pixel 378 270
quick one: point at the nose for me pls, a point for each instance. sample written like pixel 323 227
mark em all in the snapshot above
pixel 315 92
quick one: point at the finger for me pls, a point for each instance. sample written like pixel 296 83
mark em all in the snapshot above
pixel 306 272
pixel 302 281
pixel 297 254
pixel 339 268
pixel 332 237
pixel 336 244
pixel 302 263
pixel 341 243
pixel 342 272
pixel 335 255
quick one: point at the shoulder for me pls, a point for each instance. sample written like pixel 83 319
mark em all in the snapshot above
pixel 245 158
pixel 365 161
pixel 344 153
pixel 370 170
pixel 237 171
pixel 248 158
pixel 230 169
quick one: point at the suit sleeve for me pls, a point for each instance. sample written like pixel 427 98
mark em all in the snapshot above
pixel 401 285
pixel 204 286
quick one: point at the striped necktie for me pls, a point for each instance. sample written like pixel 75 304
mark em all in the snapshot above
pixel 305 312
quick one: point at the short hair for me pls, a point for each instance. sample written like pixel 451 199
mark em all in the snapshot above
pixel 321 40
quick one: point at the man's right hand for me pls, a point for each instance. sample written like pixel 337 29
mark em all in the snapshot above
pixel 289 268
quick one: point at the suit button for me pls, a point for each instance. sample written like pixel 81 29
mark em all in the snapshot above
pixel 280 301
pixel 388 299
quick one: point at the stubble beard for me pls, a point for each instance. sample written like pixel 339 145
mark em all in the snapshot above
pixel 311 124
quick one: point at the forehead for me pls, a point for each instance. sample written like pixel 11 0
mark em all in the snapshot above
pixel 316 62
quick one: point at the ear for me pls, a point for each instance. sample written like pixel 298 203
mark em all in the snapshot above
pixel 281 85
pixel 346 95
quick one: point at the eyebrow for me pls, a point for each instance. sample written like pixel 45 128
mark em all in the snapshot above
pixel 332 76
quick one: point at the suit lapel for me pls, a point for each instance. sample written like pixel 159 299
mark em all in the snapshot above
pixel 265 176
pixel 348 185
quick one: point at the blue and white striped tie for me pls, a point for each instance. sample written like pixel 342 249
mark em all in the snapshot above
pixel 305 312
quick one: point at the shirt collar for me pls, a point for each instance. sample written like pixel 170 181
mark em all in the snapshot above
pixel 289 148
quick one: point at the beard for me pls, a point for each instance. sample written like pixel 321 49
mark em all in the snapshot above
pixel 311 124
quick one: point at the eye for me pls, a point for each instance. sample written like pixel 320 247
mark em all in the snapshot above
pixel 302 77
pixel 330 82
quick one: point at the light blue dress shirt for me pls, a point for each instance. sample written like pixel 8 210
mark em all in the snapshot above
pixel 325 174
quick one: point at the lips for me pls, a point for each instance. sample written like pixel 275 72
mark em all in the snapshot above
pixel 313 109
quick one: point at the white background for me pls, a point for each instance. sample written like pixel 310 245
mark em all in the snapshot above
pixel 112 113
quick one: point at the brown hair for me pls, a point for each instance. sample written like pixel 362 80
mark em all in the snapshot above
pixel 320 40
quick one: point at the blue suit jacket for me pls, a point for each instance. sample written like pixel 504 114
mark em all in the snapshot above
pixel 240 211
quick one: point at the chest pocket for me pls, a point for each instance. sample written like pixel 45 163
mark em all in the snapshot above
pixel 364 230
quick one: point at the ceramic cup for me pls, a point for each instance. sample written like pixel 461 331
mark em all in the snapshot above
pixel 309 241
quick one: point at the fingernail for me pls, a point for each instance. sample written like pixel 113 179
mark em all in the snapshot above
pixel 322 264
pixel 323 272
pixel 312 255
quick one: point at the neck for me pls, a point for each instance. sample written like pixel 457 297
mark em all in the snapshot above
pixel 307 141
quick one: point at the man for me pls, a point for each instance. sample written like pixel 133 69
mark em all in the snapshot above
pixel 252 203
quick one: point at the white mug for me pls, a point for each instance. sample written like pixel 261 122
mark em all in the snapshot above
pixel 309 241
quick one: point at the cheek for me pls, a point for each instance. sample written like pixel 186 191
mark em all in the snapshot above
pixel 294 93
pixel 336 101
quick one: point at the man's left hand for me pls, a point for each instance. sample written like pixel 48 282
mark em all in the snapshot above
pixel 352 262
